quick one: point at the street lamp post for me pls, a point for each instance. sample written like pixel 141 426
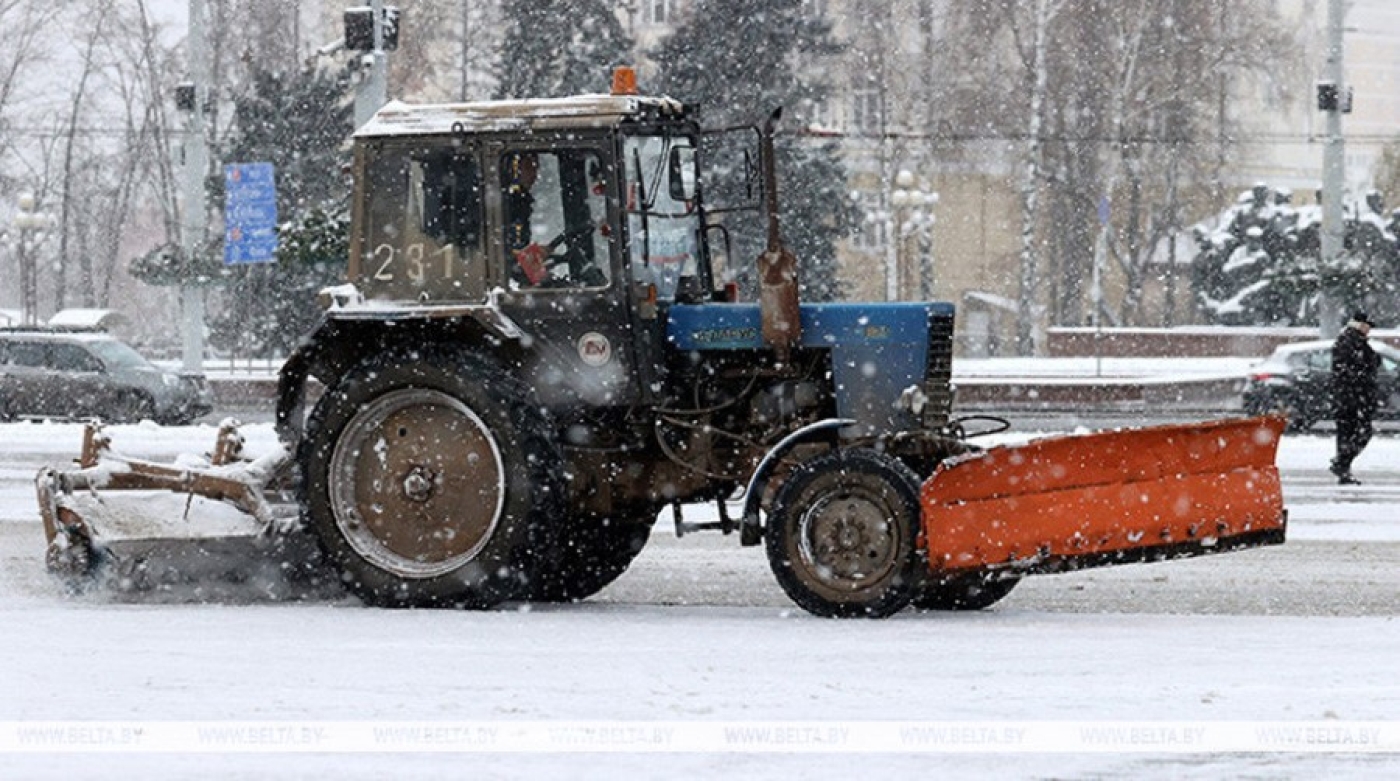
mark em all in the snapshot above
pixel 914 219
pixel 27 222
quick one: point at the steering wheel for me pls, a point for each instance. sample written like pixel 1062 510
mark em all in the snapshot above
pixel 580 269
pixel 568 235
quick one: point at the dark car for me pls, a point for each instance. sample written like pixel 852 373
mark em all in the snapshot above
pixel 81 374
pixel 1297 378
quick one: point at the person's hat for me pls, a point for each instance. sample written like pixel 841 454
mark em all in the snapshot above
pixel 1360 317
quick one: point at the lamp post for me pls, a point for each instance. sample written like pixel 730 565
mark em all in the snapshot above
pixel 914 219
pixel 27 222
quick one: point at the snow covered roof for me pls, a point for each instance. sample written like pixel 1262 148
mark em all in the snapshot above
pixel 404 119
pixel 1326 344
pixel 96 319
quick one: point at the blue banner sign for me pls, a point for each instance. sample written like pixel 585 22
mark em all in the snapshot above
pixel 250 214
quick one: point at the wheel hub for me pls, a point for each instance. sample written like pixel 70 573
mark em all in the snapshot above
pixel 850 540
pixel 416 483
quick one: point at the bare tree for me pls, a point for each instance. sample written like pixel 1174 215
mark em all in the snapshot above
pixel 1036 54
pixel 1119 121
pixel 138 163
pixel 96 14
pixel 21 45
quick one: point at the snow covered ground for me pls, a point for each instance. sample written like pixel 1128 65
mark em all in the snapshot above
pixel 1273 663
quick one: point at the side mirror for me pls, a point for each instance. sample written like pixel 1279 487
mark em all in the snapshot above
pixel 682 173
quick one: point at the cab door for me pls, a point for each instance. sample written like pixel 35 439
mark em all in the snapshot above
pixel 554 247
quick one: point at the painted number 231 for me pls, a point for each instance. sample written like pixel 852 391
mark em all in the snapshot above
pixel 417 262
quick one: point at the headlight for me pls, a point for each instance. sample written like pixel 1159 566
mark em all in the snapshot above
pixel 171 380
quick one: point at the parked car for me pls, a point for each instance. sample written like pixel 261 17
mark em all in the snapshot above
pixel 1297 378
pixel 81 374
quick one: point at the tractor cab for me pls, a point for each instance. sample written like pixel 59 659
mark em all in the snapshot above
pixel 574 217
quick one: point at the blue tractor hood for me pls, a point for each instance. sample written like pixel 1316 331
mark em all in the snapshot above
pixel 877 350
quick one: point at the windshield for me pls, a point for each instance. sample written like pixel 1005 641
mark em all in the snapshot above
pixel 118 356
pixel 664 231
pixel 421 234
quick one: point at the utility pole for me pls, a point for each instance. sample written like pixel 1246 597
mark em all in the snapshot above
pixel 196 166
pixel 373 91
pixel 1333 100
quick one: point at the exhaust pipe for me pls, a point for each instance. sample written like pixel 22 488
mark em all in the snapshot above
pixel 777 266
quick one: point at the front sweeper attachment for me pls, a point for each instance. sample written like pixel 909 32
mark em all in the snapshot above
pixel 192 530
pixel 1071 502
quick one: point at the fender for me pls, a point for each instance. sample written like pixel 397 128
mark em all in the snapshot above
pixel 750 525
pixel 291 388
pixel 344 335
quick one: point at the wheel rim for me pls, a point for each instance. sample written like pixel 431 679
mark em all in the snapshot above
pixel 849 540
pixel 416 483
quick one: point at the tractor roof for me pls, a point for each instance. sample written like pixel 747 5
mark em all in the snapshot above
pixel 403 119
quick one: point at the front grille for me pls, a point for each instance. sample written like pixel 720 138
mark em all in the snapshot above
pixel 938 380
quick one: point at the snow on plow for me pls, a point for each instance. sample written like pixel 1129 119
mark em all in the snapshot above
pixel 201 527
pixel 1116 497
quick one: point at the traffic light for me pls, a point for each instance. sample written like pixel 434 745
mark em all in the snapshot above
pixel 359 28
pixel 1331 98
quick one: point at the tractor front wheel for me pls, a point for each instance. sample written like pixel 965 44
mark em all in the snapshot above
pixel 842 535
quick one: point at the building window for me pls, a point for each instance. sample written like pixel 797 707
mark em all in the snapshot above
pixel 658 11
pixel 866 112
pixel 872 232
pixel 814 9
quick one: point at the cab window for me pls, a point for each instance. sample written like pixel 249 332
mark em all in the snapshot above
pixel 554 218
pixel 423 217
pixel 663 227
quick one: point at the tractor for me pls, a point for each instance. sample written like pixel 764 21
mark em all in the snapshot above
pixel 535 353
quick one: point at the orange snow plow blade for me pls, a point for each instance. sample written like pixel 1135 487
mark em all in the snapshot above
pixel 1116 497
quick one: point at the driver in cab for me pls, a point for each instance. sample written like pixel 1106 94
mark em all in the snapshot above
pixel 520 172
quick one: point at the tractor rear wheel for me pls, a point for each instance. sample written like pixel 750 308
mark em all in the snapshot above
pixel 583 559
pixel 975 591
pixel 421 480
pixel 841 536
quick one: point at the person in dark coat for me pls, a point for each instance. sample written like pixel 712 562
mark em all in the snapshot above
pixel 519 172
pixel 1354 395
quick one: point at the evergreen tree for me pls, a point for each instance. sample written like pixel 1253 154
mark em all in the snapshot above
pixel 299 123
pixel 554 48
pixel 739 60
pixel 1264 265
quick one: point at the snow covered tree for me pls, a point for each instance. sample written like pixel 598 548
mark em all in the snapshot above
pixel 1263 264
pixel 739 60
pixel 299 123
pixel 559 47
